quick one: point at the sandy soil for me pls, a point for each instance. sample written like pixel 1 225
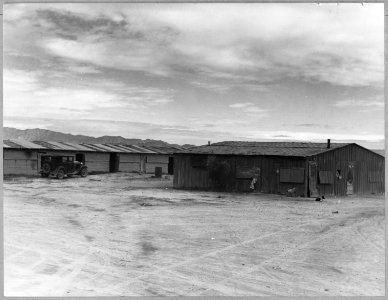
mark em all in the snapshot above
pixel 121 234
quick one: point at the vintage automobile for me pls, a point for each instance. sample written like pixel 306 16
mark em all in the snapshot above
pixel 61 166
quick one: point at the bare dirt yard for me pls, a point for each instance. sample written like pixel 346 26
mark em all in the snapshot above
pixel 129 235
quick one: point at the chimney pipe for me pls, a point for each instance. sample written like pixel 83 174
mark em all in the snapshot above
pixel 328 143
pixel 208 143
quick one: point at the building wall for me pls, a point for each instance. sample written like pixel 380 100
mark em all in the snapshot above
pixel 20 162
pixel 129 162
pixel 156 160
pixel 266 169
pixel 97 162
pixel 364 162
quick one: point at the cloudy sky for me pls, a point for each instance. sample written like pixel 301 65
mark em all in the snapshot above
pixel 189 73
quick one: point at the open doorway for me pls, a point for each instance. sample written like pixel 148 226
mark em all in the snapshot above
pixel 171 165
pixel 80 157
pixel 312 179
pixel 114 162
pixel 350 178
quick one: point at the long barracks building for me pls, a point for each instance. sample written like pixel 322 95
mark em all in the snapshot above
pixel 308 169
pixel 22 157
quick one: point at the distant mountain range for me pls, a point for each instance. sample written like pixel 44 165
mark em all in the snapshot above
pixel 38 134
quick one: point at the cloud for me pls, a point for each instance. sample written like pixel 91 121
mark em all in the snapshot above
pixel 313 136
pixel 249 108
pixel 313 125
pixel 24 94
pixel 359 103
pixel 268 42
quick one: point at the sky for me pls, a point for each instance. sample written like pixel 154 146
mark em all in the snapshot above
pixel 192 73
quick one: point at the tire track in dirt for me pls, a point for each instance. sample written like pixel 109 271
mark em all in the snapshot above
pixel 298 248
pixel 160 269
pixel 364 238
pixel 59 285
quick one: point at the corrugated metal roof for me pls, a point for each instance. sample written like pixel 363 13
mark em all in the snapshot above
pixel 264 148
pixel 66 146
pixel 128 149
pixel 117 148
pixel 125 148
pixel 107 148
pixel 153 149
pixel 10 144
pixel 94 147
pixel 78 147
pixel 47 145
pixel 164 149
pixel 61 146
pixel 16 143
pixel 139 149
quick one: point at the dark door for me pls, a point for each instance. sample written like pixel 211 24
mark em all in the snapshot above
pixel 350 178
pixel 114 162
pixel 313 190
pixel 171 165
pixel 80 157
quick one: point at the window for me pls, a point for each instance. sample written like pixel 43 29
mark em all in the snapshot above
pixel 326 177
pixel 374 176
pixel 71 158
pixel 199 161
pixel 292 175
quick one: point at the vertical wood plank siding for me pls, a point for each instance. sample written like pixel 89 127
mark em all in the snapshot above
pixel 188 177
pixel 365 161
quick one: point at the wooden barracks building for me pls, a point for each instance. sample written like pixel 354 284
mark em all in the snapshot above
pixel 22 157
pixel 305 169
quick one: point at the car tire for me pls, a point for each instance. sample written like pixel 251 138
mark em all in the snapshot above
pixel 61 173
pixel 84 172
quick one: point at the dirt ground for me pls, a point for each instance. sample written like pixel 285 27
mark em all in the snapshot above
pixel 128 235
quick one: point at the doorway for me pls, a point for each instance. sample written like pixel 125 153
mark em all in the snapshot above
pixel 171 165
pixel 350 178
pixel 80 157
pixel 114 162
pixel 312 180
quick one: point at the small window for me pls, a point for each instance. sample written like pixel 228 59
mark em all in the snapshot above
pixel 64 159
pixel 199 161
pixel 326 177
pixel 292 175
pixel 374 176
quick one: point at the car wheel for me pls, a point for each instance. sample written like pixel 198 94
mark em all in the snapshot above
pixel 61 173
pixel 84 172
pixel 46 168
